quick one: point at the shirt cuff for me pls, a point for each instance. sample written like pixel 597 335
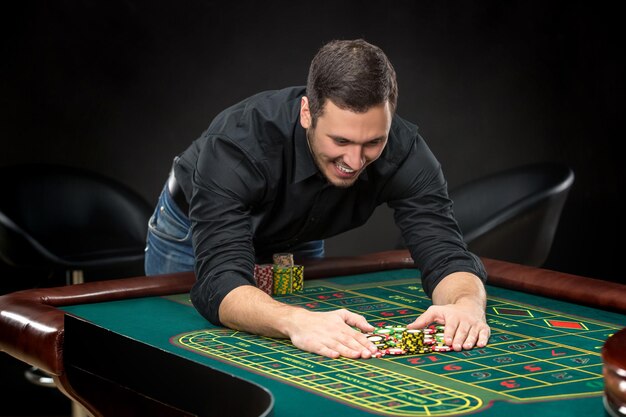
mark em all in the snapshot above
pixel 434 277
pixel 207 294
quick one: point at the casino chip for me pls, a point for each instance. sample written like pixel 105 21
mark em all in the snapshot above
pixel 394 351
pixel 441 348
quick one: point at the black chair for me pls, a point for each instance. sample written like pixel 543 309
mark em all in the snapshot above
pixel 69 222
pixel 512 215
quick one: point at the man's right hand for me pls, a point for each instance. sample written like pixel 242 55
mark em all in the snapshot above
pixel 331 333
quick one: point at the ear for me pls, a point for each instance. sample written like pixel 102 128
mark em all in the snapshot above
pixel 305 113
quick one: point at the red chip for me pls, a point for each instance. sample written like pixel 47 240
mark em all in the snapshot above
pixel 394 351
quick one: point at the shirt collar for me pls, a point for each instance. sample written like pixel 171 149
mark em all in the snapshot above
pixel 304 163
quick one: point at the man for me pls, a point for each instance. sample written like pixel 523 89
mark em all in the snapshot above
pixel 283 170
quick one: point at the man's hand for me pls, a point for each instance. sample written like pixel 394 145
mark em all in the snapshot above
pixel 459 303
pixel 465 324
pixel 330 333
pixel 327 333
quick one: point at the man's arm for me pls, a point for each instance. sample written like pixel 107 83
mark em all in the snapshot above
pixel 423 211
pixel 329 333
pixel 226 185
pixel 458 302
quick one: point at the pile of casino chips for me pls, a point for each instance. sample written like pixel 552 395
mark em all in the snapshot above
pixel 398 340
pixel 280 278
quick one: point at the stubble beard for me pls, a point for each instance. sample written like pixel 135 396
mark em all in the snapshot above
pixel 319 161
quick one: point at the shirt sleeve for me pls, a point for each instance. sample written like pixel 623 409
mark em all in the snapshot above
pixel 423 212
pixel 226 185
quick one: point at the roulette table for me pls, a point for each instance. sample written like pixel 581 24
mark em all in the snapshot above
pixel 137 346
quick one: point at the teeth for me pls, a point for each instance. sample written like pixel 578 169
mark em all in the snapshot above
pixel 344 169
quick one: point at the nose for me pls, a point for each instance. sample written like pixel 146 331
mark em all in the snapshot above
pixel 354 157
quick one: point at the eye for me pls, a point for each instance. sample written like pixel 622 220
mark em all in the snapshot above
pixel 341 141
pixel 374 143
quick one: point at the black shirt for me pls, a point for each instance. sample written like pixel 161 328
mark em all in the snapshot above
pixel 254 189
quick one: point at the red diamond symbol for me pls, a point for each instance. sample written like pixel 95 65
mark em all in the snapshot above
pixel 566 324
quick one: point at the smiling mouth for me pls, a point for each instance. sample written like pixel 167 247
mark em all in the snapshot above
pixel 344 169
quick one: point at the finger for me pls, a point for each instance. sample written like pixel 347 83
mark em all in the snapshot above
pixel 334 346
pixel 471 338
pixel 350 338
pixel 450 331
pixel 359 342
pixel 349 349
pixel 365 343
pixel 367 348
pixel 431 315
pixel 325 351
pixel 460 335
pixel 483 336
pixel 357 320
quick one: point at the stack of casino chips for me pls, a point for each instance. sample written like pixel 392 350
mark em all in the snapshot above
pixel 280 278
pixel 297 283
pixel 264 278
pixel 413 342
pixel 398 340
pixel 388 340
pixel 288 278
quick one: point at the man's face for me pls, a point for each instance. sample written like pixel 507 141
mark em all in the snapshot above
pixel 343 142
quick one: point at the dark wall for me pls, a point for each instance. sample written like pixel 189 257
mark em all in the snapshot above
pixel 122 86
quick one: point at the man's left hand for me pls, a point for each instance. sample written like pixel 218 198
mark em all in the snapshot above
pixel 459 304
pixel 465 324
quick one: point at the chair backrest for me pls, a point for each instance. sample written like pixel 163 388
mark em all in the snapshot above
pixel 64 217
pixel 513 215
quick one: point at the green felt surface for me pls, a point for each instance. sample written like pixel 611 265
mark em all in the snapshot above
pixel 543 357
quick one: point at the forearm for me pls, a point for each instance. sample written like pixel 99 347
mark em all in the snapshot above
pixel 249 309
pixel 328 333
pixel 460 287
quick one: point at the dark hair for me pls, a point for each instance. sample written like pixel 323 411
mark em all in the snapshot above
pixel 354 74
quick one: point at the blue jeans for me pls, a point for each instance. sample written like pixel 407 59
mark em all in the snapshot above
pixel 169 248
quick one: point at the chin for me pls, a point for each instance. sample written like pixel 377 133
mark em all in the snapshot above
pixel 333 179
pixel 343 184
pixel 339 182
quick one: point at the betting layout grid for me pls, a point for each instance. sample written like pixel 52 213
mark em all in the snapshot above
pixel 534 354
pixel 532 351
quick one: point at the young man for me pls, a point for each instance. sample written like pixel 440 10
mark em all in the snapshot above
pixel 283 170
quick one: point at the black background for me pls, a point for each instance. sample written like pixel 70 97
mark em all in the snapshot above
pixel 120 87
